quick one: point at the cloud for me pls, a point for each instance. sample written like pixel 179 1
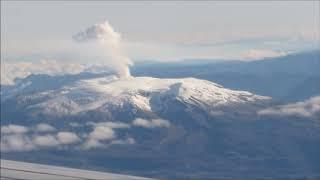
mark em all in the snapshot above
pixel 99 133
pixel 16 138
pixel 13 129
pixel 307 108
pixel 16 142
pixel 262 53
pixel 67 137
pixel 92 143
pixel 45 140
pixel 104 131
pixel 113 125
pixel 11 71
pixel 123 142
pixel 75 124
pixel 22 69
pixel 106 42
pixel 43 127
pixel 20 138
pixel 151 123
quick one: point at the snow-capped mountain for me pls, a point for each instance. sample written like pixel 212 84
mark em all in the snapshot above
pixel 131 97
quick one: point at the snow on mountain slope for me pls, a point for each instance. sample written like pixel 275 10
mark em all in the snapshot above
pixel 140 90
pixel 134 94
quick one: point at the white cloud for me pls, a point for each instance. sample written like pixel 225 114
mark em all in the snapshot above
pixel 105 132
pixel 10 71
pixel 67 137
pixel 92 143
pixel 15 138
pixel 45 140
pixel 43 127
pixel 16 142
pixel 151 123
pixel 123 142
pixel 25 142
pixel 21 138
pixel 75 124
pixel 262 53
pixel 113 125
pixel 22 69
pixel 307 108
pixel 13 129
pixel 102 133
pixel 99 133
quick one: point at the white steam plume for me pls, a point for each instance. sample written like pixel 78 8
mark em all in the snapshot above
pixel 103 38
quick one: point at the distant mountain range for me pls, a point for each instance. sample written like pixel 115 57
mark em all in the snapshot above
pixel 288 78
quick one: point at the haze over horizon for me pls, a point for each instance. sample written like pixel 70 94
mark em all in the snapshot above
pixel 161 30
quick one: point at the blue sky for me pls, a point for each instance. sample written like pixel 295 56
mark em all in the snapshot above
pixel 162 30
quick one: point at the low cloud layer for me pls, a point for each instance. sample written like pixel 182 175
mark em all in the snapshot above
pixel 307 108
pixel 125 141
pixel 22 69
pixel 11 71
pixel 44 127
pixel 104 132
pixel 14 129
pixel 47 140
pixel 67 137
pixel 21 138
pixel 99 135
pixel 16 142
pixel 153 123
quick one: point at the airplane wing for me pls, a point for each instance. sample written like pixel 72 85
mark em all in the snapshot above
pixel 14 170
